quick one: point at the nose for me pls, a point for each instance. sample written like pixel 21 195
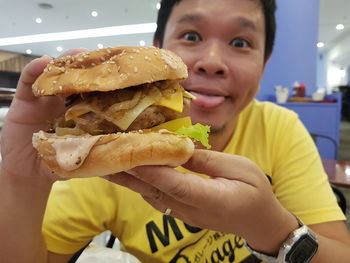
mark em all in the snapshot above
pixel 211 61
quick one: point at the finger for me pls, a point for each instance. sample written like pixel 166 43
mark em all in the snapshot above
pixel 29 74
pixel 218 164
pixel 186 188
pixel 206 162
pixel 73 52
pixel 188 214
pixel 159 200
pixel 135 184
pixel 32 71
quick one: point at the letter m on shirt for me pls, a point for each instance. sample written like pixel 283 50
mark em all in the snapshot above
pixel 154 232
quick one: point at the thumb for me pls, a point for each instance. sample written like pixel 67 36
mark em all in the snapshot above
pixel 206 161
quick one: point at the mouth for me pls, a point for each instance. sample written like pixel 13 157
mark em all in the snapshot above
pixel 207 100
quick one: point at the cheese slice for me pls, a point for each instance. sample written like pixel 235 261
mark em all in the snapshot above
pixel 131 114
pixel 174 125
pixel 174 102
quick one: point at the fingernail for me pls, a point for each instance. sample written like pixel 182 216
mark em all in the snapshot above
pixel 46 57
pixel 132 172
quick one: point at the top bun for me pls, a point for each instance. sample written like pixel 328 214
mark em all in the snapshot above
pixel 109 69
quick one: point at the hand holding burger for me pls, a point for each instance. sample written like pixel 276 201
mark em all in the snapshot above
pixel 124 109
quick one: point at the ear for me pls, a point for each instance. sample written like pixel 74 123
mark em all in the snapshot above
pixel 267 60
pixel 156 43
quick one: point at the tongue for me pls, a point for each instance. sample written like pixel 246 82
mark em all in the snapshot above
pixel 207 101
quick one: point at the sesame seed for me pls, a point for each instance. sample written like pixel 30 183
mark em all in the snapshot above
pixel 147 58
pixel 60 88
pixel 93 64
pixel 136 69
pixel 80 59
pixel 54 82
pixel 131 57
pixel 109 51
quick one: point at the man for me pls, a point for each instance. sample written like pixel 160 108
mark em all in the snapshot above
pixel 268 167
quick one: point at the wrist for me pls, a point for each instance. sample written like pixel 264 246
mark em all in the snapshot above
pixel 300 246
pixel 275 234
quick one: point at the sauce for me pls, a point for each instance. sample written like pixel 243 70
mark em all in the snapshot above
pixel 71 151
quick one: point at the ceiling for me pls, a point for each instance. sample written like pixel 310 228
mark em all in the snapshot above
pixel 18 19
pixel 333 12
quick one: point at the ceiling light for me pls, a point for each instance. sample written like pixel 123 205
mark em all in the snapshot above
pixel 94 13
pixel 340 27
pixel 100 45
pixel 79 34
pixel 59 49
pixel 158 6
pixel 29 51
pixel 142 43
pixel 38 20
pixel 320 44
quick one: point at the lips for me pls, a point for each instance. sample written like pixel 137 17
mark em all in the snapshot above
pixel 207 100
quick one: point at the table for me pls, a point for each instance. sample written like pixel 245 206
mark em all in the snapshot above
pixel 338 172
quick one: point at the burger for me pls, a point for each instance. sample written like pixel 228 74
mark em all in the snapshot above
pixel 124 108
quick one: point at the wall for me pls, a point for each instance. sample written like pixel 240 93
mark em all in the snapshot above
pixel 335 64
pixel 295 54
pixel 13 62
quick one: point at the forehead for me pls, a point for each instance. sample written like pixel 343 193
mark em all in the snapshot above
pixel 217 9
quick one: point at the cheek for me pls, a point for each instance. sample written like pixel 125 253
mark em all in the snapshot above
pixel 248 75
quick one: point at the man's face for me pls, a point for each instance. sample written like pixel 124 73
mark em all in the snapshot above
pixel 222 42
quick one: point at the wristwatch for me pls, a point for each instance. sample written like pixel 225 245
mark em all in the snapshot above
pixel 300 247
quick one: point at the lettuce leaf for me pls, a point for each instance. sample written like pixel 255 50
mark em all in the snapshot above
pixel 198 132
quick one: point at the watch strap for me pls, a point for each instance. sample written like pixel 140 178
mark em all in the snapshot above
pixel 287 244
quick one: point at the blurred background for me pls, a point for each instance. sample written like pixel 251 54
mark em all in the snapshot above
pixel 309 71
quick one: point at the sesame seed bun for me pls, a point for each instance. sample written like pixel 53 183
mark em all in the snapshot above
pixel 105 70
pixel 113 153
pixel 109 69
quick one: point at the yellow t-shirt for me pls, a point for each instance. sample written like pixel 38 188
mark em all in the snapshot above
pixel 271 136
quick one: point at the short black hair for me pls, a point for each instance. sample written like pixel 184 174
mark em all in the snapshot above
pixel 268 6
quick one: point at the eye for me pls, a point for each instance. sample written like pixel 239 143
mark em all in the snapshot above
pixel 191 36
pixel 240 43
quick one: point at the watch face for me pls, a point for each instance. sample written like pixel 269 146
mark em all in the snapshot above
pixel 303 250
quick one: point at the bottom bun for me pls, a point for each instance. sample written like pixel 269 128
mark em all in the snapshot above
pixel 89 156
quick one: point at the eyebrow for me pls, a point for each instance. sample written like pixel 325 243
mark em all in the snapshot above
pixel 241 21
